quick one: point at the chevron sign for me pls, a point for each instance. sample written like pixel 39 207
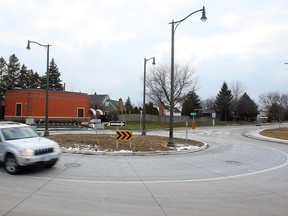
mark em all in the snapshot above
pixel 123 135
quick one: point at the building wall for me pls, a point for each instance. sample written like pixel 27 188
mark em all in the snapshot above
pixel 62 105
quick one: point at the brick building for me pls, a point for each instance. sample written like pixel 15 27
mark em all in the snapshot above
pixel 21 104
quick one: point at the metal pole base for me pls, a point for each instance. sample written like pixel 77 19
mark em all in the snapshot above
pixel 171 144
pixel 46 133
pixel 144 133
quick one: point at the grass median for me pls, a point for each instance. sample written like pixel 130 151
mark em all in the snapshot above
pixel 107 142
pixel 279 133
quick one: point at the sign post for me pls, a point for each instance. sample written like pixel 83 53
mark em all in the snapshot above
pixel 193 121
pixel 213 118
pixel 96 123
pixel 124 135
pixel 186 130
pixel 117 124
pixel 120 135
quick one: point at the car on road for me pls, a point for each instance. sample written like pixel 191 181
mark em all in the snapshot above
pixel 22 147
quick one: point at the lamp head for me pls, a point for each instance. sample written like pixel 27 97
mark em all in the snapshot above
pixel 203 18
pixel 28 45
pixel 154 63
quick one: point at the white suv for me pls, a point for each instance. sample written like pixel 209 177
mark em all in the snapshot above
pixel 21 146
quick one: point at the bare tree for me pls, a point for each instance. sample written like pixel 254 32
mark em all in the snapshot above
pixel 237 91
pixel 159 84
pixel 276 104
pixel 208 104
pixel 268 99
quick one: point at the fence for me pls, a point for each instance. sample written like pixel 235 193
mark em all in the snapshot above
pixel 160 119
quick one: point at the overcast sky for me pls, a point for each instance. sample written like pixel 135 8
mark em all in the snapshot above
pixel 100 45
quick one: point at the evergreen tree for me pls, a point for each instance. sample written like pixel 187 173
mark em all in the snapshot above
pixel 150 109
pixel 42 82
pixel 11 79
pixel 3 68
pixel 191 103
pixel 35 79
pixel 29 79
pixel 136 110
pixel 23 77
pixel 223 103
pixel 3 71
pixel 54 77
pixel 247 108
pixel 128 106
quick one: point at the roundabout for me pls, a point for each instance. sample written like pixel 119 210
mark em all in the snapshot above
pixel 235 175
pixel 231 161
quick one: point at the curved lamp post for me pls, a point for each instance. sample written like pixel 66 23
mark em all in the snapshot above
pixel 174 25
pixel 46 133
pixel 144 92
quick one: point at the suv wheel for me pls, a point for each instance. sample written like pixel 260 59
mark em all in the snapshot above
pixel 11 165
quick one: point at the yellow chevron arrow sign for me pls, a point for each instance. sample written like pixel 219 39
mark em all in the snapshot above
pixel 123 135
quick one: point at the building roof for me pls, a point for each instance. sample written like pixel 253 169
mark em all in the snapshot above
pixel 99 97
pixel 44 90
pixel 111 105
pixel 103 102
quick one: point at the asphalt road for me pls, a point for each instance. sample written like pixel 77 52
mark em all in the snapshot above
pixel 236 175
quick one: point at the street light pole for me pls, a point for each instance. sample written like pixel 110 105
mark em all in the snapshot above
pixel 144 93
pixel 46 133
pixel 174 25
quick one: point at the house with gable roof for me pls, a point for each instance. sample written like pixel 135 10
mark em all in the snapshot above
pixel 105 104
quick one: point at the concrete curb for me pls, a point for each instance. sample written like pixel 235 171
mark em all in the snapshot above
pixel 256 135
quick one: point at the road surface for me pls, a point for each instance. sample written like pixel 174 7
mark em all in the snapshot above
pixel 236 175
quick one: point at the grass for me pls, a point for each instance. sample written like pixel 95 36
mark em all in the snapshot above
pixel 135 125
pixel 279 133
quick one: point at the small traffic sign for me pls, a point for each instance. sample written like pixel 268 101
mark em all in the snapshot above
pixel 193 114
pixel 117 124
pixel 193 125
pixel 123 135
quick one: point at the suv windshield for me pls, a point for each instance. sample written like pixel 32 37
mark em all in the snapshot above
pixel 18 133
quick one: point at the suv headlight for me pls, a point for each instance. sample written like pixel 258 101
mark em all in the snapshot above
pixel 57 149
pixel 27 152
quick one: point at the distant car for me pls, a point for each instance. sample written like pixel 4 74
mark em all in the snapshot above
pixel 86 125
pixel 21 146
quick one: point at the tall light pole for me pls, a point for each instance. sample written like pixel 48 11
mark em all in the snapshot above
pixel 46 133
pixel 144 93
pixel 174 25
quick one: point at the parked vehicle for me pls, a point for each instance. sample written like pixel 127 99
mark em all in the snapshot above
pixel 22 147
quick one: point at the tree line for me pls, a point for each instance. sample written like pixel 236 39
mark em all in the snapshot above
pixel 14 75
pixel 231 102
pixel 235 104
pixel 130 109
